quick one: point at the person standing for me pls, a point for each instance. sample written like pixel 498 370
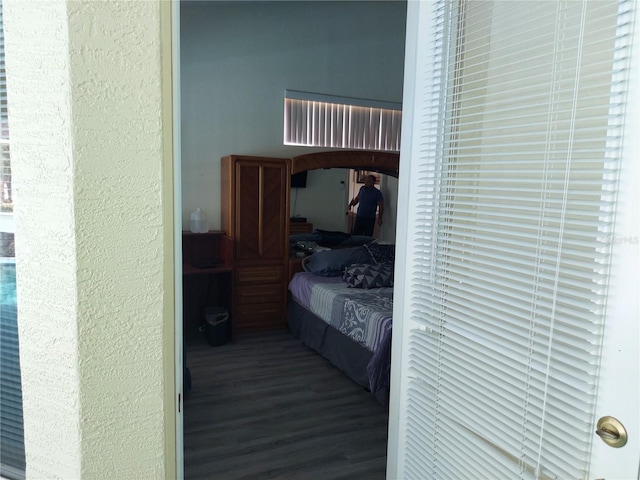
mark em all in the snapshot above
pixel 369 200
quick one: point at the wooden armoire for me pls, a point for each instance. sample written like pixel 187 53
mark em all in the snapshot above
pixel 255 214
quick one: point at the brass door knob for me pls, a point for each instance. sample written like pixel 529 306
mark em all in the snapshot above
pixel 612 432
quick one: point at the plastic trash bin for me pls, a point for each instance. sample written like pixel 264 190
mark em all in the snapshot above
pixel 215 325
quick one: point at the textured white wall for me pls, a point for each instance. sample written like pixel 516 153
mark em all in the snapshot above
pixel 85 106
pixel 237 58
pixel 46 266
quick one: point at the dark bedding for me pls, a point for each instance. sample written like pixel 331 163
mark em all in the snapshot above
pixel 328 238
pixel 332 263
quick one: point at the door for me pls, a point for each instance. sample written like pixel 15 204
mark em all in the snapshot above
pixel 516 314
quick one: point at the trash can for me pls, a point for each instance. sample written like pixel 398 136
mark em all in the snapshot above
pixel 215 325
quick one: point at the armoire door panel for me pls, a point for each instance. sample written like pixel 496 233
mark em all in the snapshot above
pixel 248 214
pixel 274 229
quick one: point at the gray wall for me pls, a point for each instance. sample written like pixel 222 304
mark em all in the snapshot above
pixel 323 202
pixel 237 58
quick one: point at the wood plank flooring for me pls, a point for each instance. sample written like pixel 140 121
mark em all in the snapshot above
pixel 267 407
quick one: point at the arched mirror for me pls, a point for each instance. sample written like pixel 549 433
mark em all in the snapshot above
pixel 323 183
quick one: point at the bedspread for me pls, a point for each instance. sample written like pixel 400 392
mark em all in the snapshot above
pixel 360 314
pixel 363 315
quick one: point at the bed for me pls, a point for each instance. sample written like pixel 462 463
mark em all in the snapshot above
pixel 342 308
pixel 356 336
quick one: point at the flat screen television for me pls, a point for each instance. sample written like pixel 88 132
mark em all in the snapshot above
pixel 299 180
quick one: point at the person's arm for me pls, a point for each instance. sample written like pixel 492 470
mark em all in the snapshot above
pixel 380 211
pixel 353 203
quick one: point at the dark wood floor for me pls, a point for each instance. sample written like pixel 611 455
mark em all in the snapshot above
pixel 267 407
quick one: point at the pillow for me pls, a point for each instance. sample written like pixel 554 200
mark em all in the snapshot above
pixel 369 276
pixel 331 263
pixel 381 253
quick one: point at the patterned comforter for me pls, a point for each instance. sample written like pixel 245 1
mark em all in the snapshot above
pixel 363 315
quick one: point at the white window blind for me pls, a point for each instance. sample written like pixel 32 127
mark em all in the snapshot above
pixel 6 194
pixel 511 200
pixel 317 120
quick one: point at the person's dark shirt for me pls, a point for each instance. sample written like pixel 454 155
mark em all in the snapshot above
pixel 369 197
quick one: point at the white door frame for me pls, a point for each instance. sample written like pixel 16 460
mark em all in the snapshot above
pixel 177 227
pixel 618 393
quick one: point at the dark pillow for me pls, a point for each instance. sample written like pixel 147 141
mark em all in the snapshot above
pixel 381 253
pixel 369 276
pixel 331 263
